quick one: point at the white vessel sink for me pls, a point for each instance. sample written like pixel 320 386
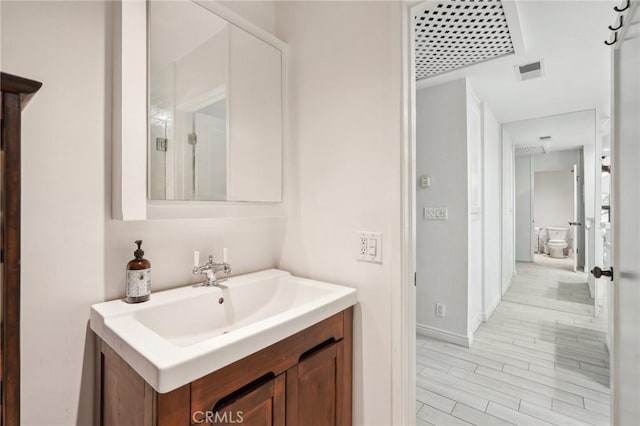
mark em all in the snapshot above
pixel 183 334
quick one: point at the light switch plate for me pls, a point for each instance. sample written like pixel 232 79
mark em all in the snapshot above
pixel 436 213
pixel 369 247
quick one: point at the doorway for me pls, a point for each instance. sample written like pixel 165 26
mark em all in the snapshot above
pixel 550 210
pixel 554 207
pixel 474 334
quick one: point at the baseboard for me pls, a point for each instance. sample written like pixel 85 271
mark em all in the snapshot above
pixel 475 323
pixel 506 289
pixel 591 283
pixel 487 314
pixel 447 336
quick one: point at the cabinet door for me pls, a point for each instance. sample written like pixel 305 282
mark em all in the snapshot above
pixel 316 389
pixel 262 405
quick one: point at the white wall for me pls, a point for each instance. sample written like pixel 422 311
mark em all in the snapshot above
pixel 556 160
pixel 63 209
pixel 553 198
pixel 441 252
pixel 73 254
pixel 345 131
pixel 475 171
pixel 508 211
pixel 260 12
pixel 524 224
pixel 492 211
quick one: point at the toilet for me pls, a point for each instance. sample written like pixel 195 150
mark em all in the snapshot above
pixel 557 241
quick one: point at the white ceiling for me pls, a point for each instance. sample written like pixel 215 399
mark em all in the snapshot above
pixel 566 130
pixel 568 36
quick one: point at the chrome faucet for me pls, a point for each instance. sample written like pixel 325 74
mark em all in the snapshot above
pixel 210 269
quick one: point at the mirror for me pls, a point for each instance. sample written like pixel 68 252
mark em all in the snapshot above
pixel 215 108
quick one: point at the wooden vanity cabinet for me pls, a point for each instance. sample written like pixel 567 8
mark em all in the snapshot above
pixel 305 379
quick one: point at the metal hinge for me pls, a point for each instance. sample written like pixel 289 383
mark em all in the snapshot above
pixel 161 144
pixel 415 278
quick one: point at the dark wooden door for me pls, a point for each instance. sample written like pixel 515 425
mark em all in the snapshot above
pixel 15 92
pixel 316 389
pixel 262 405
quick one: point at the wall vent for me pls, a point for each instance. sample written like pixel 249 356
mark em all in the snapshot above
pixel 529 71
pixel 452 34
pixel 521 150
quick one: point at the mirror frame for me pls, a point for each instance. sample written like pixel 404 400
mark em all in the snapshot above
pixel 131 124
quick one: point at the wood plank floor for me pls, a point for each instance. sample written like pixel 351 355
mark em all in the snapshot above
pixel 540 360
pixel 552 288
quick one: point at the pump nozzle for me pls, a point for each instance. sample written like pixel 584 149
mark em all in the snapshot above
pixel 139 252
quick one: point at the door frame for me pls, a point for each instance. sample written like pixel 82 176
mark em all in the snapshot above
pixel 403 307
pixel 575 231
pixel 403 303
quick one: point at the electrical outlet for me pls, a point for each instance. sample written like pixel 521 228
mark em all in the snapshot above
pixel 440 310
pixel 369 247
pixel 436 213
pixel 363 246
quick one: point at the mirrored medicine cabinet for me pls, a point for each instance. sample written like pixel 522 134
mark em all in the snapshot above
pixel 213 108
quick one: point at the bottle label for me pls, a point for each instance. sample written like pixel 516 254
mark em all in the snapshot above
pixel 139 282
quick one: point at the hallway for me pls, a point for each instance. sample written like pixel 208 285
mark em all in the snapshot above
pixel 540 359
pixel 552 288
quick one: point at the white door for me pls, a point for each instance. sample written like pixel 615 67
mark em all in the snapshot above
pixel 574 224
pixel 625 205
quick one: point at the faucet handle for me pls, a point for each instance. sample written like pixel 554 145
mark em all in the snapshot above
pixel 210 258
pixel 224 255
pixel 196 259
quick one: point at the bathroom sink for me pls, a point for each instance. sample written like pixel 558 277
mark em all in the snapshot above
pixel 183 334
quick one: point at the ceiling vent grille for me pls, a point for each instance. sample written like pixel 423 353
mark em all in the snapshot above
pixel 457 33
pixel 530 150
pixel 529 71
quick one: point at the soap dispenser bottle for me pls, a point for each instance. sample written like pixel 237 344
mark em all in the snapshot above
pixel 138 277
